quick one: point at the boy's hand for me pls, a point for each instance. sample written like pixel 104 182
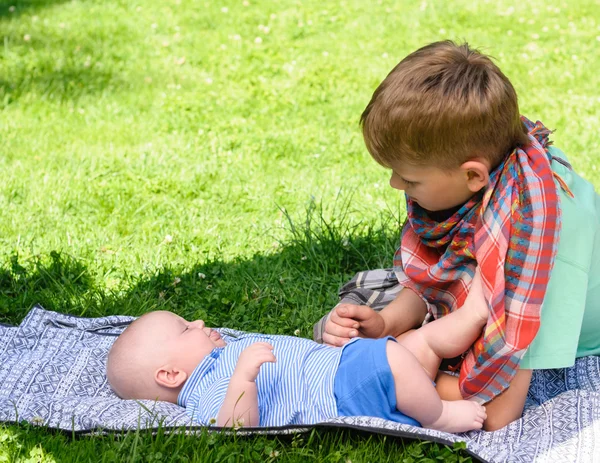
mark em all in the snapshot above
pixel 251 359
pixel 349 321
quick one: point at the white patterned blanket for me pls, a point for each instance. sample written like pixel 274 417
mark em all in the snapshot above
pixel 52 373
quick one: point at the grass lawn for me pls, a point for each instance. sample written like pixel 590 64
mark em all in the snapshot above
pixel 205 157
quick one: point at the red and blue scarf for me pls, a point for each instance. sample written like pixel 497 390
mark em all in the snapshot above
pixel 511 231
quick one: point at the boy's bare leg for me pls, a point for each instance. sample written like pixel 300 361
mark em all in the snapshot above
pixel 416 396
pixel 450 335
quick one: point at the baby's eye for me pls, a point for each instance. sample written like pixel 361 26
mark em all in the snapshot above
pixel 408 182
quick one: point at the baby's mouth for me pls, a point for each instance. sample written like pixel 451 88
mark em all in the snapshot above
pixel 215 336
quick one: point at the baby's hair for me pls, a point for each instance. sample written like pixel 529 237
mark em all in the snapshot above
pixel 127 360
pixel 443 105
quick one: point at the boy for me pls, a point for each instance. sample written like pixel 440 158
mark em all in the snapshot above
pixel 260 380
pixel 484 190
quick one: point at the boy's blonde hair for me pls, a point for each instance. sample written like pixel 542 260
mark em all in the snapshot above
pixel 443 105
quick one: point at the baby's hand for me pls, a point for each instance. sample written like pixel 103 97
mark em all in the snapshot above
pixel 251 359
pixel 348 321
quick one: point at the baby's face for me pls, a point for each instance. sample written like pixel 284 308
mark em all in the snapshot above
pixel 187 342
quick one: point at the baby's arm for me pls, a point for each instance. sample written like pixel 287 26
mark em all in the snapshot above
pixel 240 407
pixel 347 321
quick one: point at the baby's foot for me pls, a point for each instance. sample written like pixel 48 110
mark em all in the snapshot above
pixel 459 416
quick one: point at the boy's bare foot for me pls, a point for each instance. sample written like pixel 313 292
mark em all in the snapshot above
pixel 459 416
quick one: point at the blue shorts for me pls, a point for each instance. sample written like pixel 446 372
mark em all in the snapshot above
pixel 364 385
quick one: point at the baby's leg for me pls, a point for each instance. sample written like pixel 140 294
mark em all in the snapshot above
pixel 450 335
pixel 416 396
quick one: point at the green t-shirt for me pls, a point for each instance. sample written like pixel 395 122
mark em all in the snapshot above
pixel 570 325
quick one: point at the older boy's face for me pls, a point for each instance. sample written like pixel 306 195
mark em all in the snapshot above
pixel 432 188
pixel 187 342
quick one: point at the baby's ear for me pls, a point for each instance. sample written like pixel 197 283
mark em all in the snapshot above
pixel 170 376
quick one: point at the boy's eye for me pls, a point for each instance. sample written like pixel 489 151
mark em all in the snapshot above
pixel 407 182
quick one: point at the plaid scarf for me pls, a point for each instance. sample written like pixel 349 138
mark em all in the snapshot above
pixel 511 231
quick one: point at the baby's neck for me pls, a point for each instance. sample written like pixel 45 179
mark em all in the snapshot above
pixel 170 395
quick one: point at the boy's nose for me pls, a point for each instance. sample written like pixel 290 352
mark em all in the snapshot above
pixel 397 183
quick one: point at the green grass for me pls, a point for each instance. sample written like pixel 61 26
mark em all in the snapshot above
pixel 318 446
pixel 206 158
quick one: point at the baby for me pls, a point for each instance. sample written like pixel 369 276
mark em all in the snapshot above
pixel 271 380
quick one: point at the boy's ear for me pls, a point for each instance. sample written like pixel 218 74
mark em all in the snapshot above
pixel 169 376
pixel 477 173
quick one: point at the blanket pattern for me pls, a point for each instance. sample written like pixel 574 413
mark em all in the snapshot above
pixel 52 373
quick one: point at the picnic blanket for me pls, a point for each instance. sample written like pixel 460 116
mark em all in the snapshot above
pixel 52 373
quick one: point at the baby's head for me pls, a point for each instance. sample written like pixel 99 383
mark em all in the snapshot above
pixel 443 105
pixel 156 354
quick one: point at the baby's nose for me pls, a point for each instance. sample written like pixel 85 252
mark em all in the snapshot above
pixel 198 324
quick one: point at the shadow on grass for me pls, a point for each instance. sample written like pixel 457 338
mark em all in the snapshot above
pixel 62 63
pixel 276 293
pixel 14 8
pixel 279 292
pixel 65 84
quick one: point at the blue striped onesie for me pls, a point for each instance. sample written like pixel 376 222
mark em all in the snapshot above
pixel 297 389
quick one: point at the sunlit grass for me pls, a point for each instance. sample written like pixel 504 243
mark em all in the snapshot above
pixel 205 157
